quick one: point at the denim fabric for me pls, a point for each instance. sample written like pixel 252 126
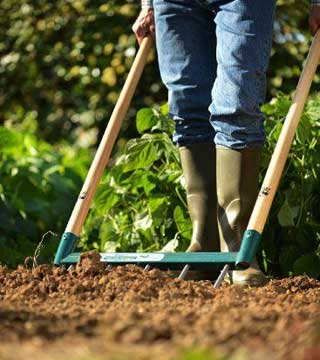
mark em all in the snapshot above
pixel 149 3
pixel 213 56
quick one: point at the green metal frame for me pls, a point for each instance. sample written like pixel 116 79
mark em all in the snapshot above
pixel 168 261
pixel 164 261
pixel 250 242
pixel 67 244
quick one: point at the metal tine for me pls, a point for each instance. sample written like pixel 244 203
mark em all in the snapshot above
pixel 147 267
pixel 108 267
pixel 184 272
pixel 222 275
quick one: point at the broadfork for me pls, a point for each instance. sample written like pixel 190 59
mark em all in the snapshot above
pixel 201 260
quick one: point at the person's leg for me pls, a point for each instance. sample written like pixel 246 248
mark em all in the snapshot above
pixel 185 39
pixel 244 36
pixel 244 39
pixel 185 36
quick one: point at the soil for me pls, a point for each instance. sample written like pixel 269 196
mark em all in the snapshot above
pixel 92 312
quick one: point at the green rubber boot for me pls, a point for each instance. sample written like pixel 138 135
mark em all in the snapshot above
pixel 198 166
pixel 237 190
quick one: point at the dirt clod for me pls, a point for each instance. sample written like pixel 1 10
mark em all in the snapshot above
pixel 89 264
pixel 47 309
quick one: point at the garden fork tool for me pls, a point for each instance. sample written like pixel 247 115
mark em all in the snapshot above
pixel 197 260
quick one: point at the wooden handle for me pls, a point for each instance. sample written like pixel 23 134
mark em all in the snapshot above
pixel 281 151
pixel 102 155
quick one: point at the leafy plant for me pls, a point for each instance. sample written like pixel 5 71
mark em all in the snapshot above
pixel 140 203
pixel 292 235
pixel 38 185
pixel 63 64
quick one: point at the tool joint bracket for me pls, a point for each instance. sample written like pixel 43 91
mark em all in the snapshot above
pixel 66 246
pixel 249 246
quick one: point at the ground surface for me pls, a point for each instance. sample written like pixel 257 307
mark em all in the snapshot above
pixel 94 313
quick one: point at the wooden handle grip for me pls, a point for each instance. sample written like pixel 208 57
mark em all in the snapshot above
pixel 102 155
pixel 281 151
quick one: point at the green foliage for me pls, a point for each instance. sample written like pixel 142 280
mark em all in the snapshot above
pixel 38 186
pixel 292 236
pixel 140 204
pixel 290 46
pixel 63 64
pixel 202 354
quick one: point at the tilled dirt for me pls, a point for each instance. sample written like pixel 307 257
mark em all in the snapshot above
pixel 90 312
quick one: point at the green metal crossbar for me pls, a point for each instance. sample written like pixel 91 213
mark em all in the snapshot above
pixel 165 261
pixel 173 261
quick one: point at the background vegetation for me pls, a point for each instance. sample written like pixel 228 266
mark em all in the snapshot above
pixel 62 65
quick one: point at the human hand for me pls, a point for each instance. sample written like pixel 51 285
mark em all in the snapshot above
pixel 144 25
pixel 314 19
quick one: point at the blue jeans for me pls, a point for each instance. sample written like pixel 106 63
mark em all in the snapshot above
pixel 213 57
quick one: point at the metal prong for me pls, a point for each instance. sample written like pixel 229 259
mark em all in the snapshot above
pixel 70 268
pixel 221 277
pixel 147 267
pixel 184 272
pixel 108 267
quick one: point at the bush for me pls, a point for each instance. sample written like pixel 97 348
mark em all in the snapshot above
pixel 63 64
pixel 38 186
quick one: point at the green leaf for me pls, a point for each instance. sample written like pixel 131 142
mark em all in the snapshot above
pixel 9 139
pixel 106 199
pixel 287 257
pixel 107 233
pixel 164 109
pixel 304 130
pixel 146 119
pixel 142 222
pixel 158 209
pixel 140 178
pixel 170 246
pixel 307 264
pixel 183 223
pixel 148 181
pixel 110 246
pixel 141 153
pixel 287 214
